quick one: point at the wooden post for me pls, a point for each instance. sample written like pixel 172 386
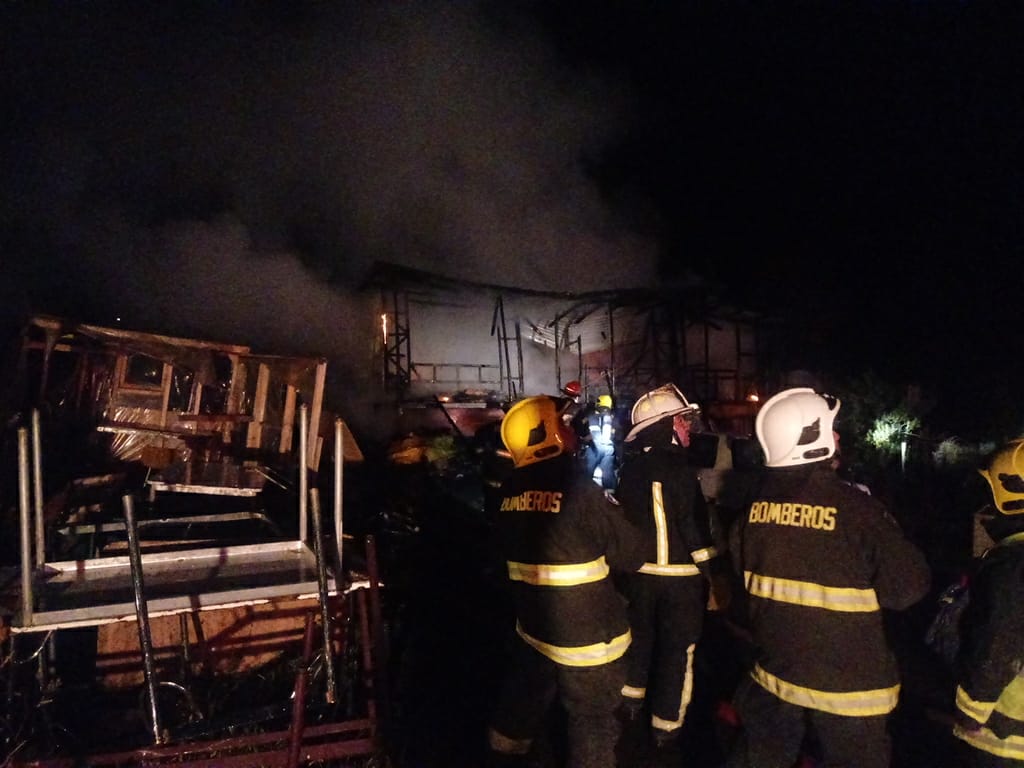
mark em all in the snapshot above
pixel 254 434
pixel 165 393
pixel 288 420
pixel 339 474
pixel 315 408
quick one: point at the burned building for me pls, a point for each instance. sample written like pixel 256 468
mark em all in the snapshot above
pixel 466 342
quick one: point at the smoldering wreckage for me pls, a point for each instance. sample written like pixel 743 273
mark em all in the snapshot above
pixel 202 566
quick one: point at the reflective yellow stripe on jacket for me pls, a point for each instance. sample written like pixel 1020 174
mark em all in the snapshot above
pixel 571 575
pixel 660 524
pixel 976 710
pixel 879 701
pixel 1011 747
pixel 1010 703
pixel 811 595
pixel 592 655
pixel 703 555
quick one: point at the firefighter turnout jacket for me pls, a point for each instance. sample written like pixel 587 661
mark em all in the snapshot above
pixel 662 497
pixel 820 559
pixel 561 538
pixel 990 690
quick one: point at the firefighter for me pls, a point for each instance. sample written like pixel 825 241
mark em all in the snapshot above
pixel 601 443
pixel 561 538
pixel 819 560
pixel 990 688
pixel 495 465
pixel 573 413
pixel 573 390
pixel 661 495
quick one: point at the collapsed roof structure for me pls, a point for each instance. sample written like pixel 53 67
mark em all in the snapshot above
pixel 456 339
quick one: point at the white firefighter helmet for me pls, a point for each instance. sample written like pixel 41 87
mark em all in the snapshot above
pixel 656 405
pixel 533 430
pixel 795 427
pixel 1005 475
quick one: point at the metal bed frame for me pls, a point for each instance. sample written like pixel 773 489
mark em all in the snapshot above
pixel 137 587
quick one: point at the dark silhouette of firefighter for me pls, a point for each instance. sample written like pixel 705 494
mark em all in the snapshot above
pixel 660 493
pixel 819 559
pixel 574 412
pixel 990 688
pixel 561 537
pixel 495 464
pixel 601 443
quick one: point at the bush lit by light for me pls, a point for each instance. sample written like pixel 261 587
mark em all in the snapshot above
pixel 891 429
pixel 952 451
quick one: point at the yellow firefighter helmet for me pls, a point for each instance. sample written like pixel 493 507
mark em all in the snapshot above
pixel 604 401
pixel 1005 475
pixel 533 430
pixel 795 427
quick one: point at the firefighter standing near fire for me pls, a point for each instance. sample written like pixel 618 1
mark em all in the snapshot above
pixel 820 560
pixel 573 390
pixel 990 686
pixel 561 538
pixel 661 494
pixel 573 414
pixel 602 443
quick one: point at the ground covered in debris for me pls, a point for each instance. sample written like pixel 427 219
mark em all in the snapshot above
pixel 450 628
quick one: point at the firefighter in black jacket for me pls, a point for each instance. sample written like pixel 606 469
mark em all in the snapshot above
pixel 661 495
pixel 819 560
pixel 990 688
pixel 561 538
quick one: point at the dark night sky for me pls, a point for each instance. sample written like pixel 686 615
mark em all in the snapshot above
pixel 853 167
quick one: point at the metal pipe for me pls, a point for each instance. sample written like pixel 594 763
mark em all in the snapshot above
pixel 407 339
pixel 579 358
pixel 519 358
pixel 510 386
pixel 142 614
pixel 558 358
pixel 303 471
pixel 377 633
pixel 186 647
pixel 707 356
pixel 339 520
pixel 611 350
pixel 366 643
pixel 12 678
pixel 321 578
pixel 26 528
pixel 37 487
pixel 298 724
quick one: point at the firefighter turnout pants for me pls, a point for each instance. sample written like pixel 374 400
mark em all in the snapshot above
pixel 774 732
pixel 589 695
pixel 666 614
